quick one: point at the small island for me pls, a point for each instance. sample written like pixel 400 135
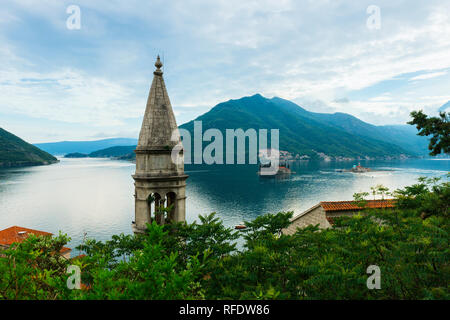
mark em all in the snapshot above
pixel 116 152
pixel 357 169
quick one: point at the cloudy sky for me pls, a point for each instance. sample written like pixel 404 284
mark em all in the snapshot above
pixel 59 83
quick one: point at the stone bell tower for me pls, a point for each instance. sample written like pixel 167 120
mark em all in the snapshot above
pixel 159 179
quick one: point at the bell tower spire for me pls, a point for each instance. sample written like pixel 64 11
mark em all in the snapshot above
pixel 159 181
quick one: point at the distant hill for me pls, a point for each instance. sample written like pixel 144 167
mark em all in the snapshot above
pixel 404 136
pixel 117 151
pixel 302 132
pixel 125 152
pixel 65 147
pixel 76 155
pixel 15 152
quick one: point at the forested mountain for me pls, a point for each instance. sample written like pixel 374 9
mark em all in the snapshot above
pixel 401 135
pixel 302 132
pixel 15 152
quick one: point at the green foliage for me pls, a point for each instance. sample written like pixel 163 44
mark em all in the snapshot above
pixel 426 198
pixel 209 236
pixel 265 228
pixel 379 190
pixel 152 271
pixel 203 261
pixel 34 269
pixel 437 127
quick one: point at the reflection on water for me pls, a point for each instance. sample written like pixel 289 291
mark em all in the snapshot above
pixel 95 196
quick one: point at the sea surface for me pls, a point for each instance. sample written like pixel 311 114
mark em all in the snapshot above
pixel 94 197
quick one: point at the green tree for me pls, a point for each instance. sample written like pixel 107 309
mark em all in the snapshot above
pixel 437 127
pixel 34 269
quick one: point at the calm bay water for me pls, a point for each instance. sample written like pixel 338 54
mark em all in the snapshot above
pixel 94 197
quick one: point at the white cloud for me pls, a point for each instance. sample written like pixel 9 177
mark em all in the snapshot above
pixel 305 51
pixel 428 75
pixel 65 94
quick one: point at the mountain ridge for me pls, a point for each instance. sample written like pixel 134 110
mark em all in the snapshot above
pixel 315 135
pixel 15 152
pixel 401 135
pixel 301 132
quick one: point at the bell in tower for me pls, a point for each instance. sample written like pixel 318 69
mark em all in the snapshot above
pixel 160 182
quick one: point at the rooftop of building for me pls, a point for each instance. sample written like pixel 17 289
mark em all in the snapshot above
pixel 338 206
pixel 17 234
pixel 352 205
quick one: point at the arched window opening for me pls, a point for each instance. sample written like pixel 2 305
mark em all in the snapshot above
pixel 159 208
pixel 151 206
pixel 171 203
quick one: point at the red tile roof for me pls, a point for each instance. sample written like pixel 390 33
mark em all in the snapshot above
pixel 351 205
pixel 18 234
pixel 65 249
